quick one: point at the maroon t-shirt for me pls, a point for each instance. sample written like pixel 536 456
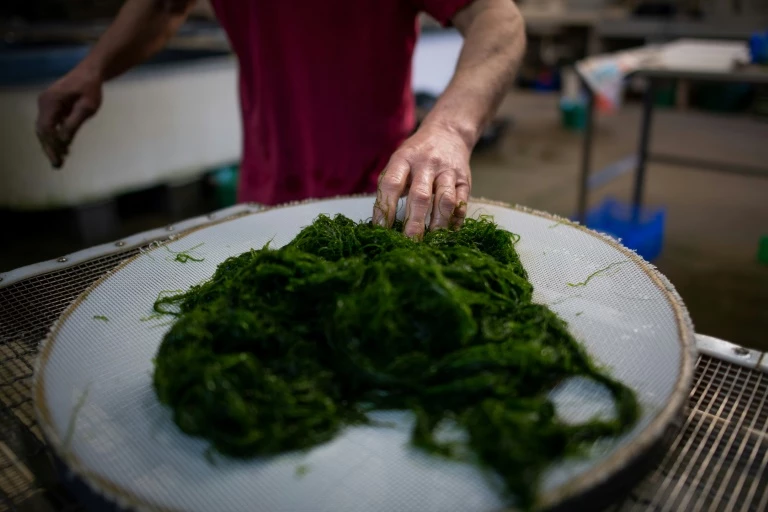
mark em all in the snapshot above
pixel 325 90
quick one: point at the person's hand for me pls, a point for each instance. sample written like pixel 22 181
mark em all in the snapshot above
pixel 432 161
pixel 63 108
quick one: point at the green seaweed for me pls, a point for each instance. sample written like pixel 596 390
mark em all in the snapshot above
pixel 101 317
pixel 302 470
pixel 70 432
pixel 595 274
pixel 560 301
pixel 165 297
pixel 283 348
pixel 185 256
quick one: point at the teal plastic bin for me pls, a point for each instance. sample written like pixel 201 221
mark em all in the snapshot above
pixel 225 186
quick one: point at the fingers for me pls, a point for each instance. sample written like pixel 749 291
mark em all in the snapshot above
pixel 445 200
pixel 419 175
pixel 417 204
pixel 49 111
pixel 81 111
pixel 393 182
pixel 57 123
pixel 53 150
pixel 49 115
pixel 460 210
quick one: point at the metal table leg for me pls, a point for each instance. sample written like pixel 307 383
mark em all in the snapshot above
pixel 586 156
pixel 642 154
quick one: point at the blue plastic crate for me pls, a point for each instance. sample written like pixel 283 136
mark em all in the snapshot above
pixel 645 234
pixel 758 48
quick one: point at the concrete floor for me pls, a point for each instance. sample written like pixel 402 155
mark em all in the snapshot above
pixel 714 220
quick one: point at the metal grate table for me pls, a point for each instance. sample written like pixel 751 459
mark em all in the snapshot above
pixel 717 461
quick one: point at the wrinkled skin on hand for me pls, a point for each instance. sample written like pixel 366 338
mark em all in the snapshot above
pixel 434 161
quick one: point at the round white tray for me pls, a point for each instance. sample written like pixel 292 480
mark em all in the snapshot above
pixel 97 408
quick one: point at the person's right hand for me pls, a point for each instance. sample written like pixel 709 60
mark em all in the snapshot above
pixel 63 108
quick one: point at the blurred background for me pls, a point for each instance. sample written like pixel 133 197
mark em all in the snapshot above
pixel 157 153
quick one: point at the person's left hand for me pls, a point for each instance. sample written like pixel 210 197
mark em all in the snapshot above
pixel 432 161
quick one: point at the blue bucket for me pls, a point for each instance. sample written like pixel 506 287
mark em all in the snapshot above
pixel 643 234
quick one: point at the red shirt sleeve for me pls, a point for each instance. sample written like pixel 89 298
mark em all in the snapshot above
pixel 442 10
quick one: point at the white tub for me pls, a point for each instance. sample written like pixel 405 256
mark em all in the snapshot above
pixel 157 124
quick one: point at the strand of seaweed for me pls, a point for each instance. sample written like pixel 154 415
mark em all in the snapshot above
pixel 185 255
pixel 283 348
pixel 595 274
pixel 72 423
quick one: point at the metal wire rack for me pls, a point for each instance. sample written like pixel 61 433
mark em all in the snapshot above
pixel 717 462
pixel 719 459
pixel 28 308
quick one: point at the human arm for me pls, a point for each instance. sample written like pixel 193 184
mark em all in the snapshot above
pixel 140 30
pixel 435 159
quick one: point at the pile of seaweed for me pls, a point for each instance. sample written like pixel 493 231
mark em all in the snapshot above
pixel 281 349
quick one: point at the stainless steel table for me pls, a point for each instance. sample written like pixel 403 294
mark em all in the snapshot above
pixel 748 75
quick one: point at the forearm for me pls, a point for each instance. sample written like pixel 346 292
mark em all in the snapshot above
pixel 140 30
pixel 494 43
